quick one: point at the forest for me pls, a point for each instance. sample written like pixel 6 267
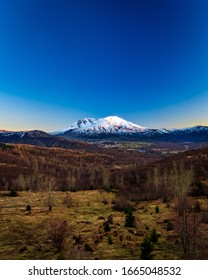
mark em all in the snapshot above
pixel 158 203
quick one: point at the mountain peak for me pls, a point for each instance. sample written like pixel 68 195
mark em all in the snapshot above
pixel 110 124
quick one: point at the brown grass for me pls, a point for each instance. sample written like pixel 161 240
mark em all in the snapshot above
pixel 24 235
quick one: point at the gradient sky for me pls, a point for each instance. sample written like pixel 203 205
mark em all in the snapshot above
pixel 145 61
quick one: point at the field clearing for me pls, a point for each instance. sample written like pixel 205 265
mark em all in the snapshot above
pixel 24 234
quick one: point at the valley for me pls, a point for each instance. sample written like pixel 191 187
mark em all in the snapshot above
pixel 103 197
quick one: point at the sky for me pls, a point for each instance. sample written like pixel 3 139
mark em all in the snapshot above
pixel 143 60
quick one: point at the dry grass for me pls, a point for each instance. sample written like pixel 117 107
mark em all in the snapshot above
pixel 24 235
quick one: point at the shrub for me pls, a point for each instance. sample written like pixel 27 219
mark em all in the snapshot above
pixel 121 203
pixel 170 226
pixel 197 207
pixel 91 187
pixel 106 226
pixel 13 193
pixel 110 240
pixel 199 189
pixel 110 219
pixel 146 249
pixel 166 199
pixel 77 239
pixel 28 208
pixel 58 233
pixel 130 219
pixel 68 200
pixel 154 236
pixel 105 201
pixel 88 248
pixel 157 209
pixel 64 188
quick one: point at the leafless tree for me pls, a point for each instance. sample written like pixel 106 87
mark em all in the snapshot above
pixel 188 220
pixel 58 232
pixel 51 185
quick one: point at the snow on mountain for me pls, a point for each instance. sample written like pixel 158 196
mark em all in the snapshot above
pixel 197 128
pixel 31 133
pixel 112 124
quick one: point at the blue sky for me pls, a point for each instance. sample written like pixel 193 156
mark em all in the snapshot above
pixel 145 61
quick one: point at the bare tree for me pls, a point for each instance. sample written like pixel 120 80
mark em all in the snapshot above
pixel 180 179
pixel 188 220
pixel 188 224
pixel 58 233
pixel 51 185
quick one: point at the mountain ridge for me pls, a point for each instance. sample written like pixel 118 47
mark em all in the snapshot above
pixel 109 128
pixel 115 127
pixel 40 138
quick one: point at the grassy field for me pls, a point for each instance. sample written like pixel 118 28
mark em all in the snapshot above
pixel 24 234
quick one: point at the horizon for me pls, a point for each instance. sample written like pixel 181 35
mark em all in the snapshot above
pixel 25 130
pixel 144 61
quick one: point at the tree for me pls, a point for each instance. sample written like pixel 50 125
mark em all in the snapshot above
pixel 51 184
pixel 188 227
pixel 187 220
pixel 180 179
pixel 154 236
pixel 58 233
pixel 146 249
pixel 130 219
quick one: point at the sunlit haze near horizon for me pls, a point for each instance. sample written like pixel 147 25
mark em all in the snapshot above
pixel 144 61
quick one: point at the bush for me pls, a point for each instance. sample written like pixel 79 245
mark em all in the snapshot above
pixel 121 203
pixel 105 201
pixel 110 240
pixel 110 219
pixel 199 189
pixel 166 199
pixel 130 219
pixel 146 249
pixel 106 226
pixel 157 209
pixel 88 248
pixel 154 236
pixel 28 208
pixel 13 193
pixel 58 233
pixel 64 188
pixel 197 207
pixel 67 200
pixel 77 239
pixel 170 226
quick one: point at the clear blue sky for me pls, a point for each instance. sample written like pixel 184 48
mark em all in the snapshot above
pixel 145 61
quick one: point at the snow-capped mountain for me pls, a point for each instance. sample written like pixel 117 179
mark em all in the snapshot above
pixel 192 129
pixel 109 128
pixel 112 124
pixel 115 127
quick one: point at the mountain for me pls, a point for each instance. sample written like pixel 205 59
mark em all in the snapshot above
pixel 110 128
pixel 39 138
pixel 115 128
pixel 112 124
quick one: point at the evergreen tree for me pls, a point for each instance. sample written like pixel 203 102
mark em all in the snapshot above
pixel 154 236
pixel 130 219
pixel 146 249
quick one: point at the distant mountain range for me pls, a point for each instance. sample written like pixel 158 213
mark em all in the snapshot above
pixel 114 127
pixel 109 128
pixel 40 138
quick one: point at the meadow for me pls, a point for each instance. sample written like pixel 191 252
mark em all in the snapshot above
pixel 25 233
